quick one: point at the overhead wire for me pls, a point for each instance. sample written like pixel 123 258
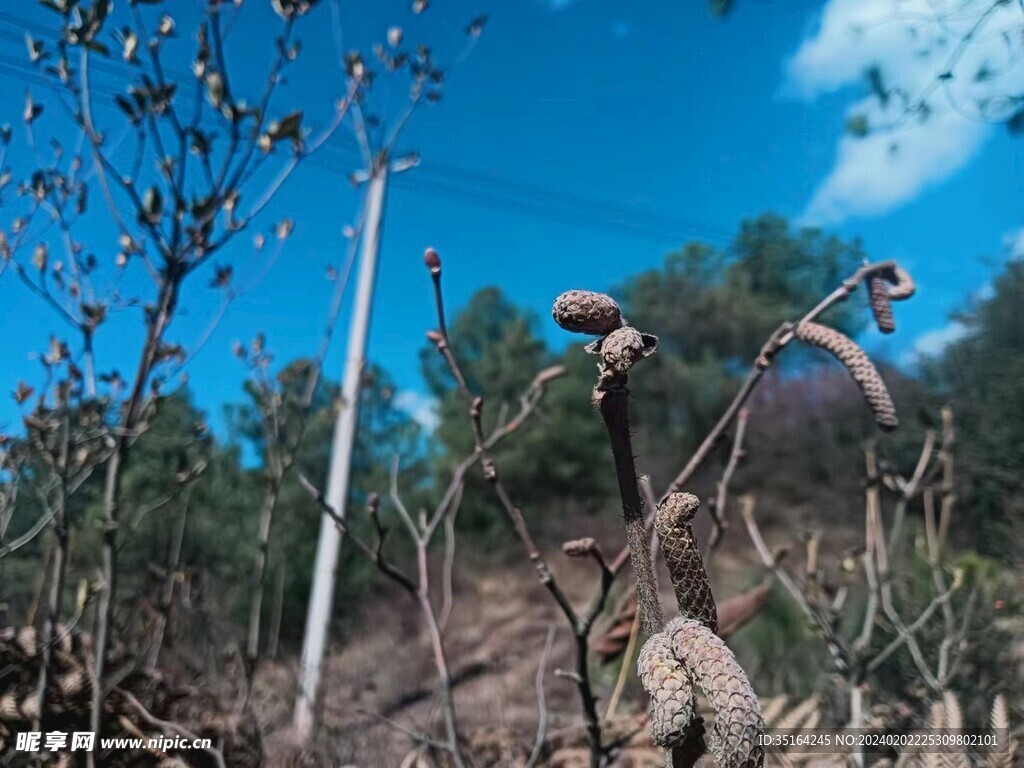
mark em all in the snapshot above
pixel 437 179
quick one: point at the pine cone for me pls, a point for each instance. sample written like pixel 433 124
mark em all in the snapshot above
pixel 682 555
pixel 587 312
pixel 673 704
pixel 860 367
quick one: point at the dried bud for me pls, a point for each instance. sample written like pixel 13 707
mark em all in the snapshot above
pixel 859 366
pixel 432 260
pixel 587 312
pixel 435 337
pixel 580 547
pixel 623 347
pixel 372 503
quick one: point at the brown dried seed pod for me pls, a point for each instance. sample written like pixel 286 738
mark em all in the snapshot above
pixel 713 668
pixel 860 367
pixel 682 556
pixel 902 284
pixel 878 295
pixel 673 703
pixel 587 312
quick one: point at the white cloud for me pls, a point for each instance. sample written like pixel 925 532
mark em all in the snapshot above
pixel 422 408
pixel 932 343
pixel 886 169
pixel 1014 242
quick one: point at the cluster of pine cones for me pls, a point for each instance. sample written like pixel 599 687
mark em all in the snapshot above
pixel 67 707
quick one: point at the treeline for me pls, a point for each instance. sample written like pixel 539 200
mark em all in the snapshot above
pixel 712 309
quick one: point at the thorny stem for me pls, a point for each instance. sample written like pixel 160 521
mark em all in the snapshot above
pixel 612 400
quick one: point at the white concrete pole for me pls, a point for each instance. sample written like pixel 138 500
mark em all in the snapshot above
pixel 318 617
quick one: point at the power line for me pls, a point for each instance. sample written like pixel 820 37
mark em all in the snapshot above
pixel 436 179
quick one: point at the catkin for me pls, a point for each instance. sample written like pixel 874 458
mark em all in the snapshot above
pixel 587 312
pixel 673 703
pixel 708 664
pixel 902 284
pixel 860 367
pixel 881 308
pixel 682 556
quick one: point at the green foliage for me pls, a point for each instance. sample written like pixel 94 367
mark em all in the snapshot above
pixel 982 377
pixel 721 7
pixel 384 432
pixel 712 310
pixel 553 455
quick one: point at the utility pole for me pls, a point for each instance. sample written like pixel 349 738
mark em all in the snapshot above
pixel 321 598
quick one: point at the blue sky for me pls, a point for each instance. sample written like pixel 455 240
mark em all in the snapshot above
pixel 569 116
